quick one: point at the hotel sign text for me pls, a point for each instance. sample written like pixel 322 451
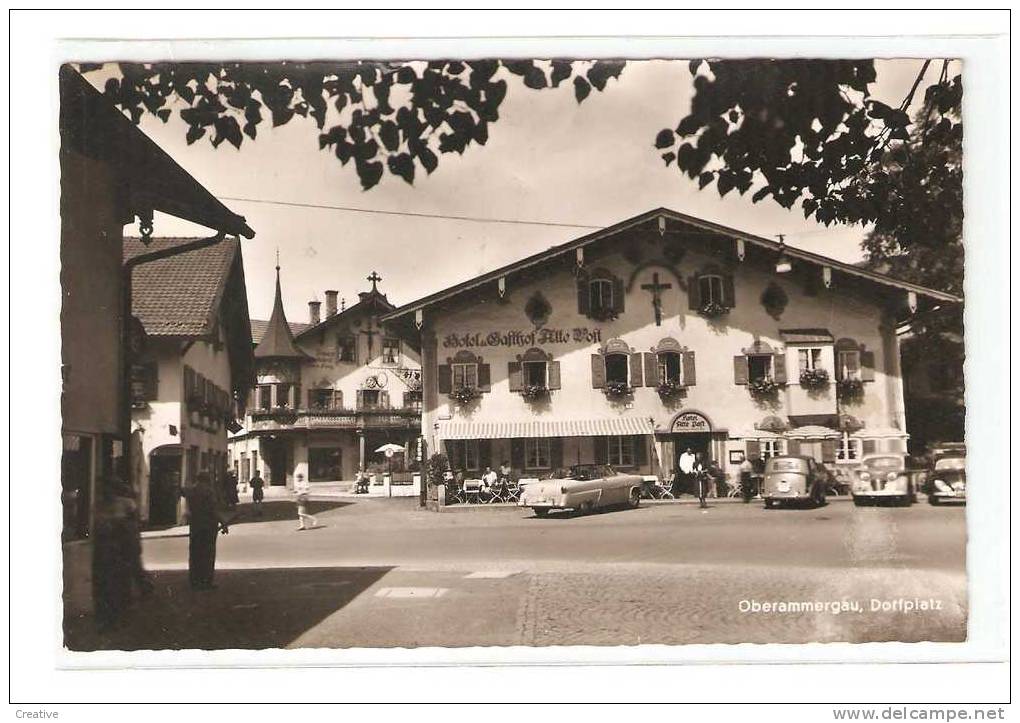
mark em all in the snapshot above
pixel 538 337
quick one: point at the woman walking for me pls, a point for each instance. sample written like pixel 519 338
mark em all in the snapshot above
pixel 301 488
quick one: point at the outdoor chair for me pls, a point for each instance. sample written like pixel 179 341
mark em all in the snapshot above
pixel 513 491
pixel 472 491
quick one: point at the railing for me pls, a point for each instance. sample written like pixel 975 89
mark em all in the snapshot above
pixel 307 417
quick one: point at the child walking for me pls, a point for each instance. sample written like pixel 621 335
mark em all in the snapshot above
pixel 301 488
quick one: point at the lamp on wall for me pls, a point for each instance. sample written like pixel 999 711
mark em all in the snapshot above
pixel 783 263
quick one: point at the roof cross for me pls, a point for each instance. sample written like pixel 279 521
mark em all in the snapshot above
pixel 374 278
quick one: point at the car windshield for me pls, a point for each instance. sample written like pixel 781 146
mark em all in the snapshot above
pixel 883 463
pixel 788 464
pixel 951 463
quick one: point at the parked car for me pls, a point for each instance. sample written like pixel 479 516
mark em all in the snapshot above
pixel 794 479
pixel 947 478
pixel 883 478
pixel 583 488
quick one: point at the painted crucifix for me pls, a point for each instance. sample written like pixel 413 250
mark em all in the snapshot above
pixel 656 288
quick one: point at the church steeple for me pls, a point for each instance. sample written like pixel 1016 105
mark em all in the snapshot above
pixel 278 341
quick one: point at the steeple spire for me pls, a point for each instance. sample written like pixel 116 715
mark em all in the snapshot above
pixel 278 341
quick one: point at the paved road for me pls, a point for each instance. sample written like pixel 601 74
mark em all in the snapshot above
pixel 383 573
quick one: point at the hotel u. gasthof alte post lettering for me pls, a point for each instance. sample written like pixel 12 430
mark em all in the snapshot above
pixel 515 338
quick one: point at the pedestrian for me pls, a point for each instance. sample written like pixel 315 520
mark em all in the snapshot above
pixel 204 522
pixel 230 489
pixel 117 554
pixel 257 491
pixel 702 478
pixel 746 485
pixel 361 486
pixel 301 497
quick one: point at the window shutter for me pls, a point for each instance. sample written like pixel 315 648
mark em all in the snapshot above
pixel 869 446
pixel 553 373
pixel 338 399
pixel 583 291
pixel 618 295
pixel 295 392
pixel 601 450
pixel 516 376
pixel 151 381
pixel 555 452
pixel 445 380
pixel 728 293
pixel 636 378
pixel 640 445
pixel 693 293
pixel 517 453
pixel 753 449
pixel 690 377
pixel 828 450
pixel 484 378
pixel 384 399
pixel 867 366
pixel 779 368
pixel 793 446
pixel 740 369
pixel 651 369
pixel 598 371
pixel 361 399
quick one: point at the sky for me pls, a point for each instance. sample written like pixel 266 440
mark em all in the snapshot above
pixel 547 159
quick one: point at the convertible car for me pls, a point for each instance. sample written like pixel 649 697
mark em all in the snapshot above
pixel 583 488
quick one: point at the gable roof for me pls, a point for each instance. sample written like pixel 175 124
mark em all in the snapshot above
pixel 277 341
pixel 178 296
pixel 681 218
pixel 259 326
pixel 368 301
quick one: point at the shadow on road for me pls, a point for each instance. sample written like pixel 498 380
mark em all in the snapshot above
pixel 276 510
pixel 249 609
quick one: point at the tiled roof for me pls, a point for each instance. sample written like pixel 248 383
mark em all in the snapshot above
pixel 278 340
pixel 179 295
pixel 259 326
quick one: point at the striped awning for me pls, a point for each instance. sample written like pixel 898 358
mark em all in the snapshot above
pixel 609 427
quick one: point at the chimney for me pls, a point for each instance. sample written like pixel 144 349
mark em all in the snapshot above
pixel 330 303
pixel 313 312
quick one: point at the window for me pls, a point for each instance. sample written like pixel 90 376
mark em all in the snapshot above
pixel 848 449
pixel 265 396
pixel 412 399
pixel 390 350
pixel 283 394
pixel 617 369
pixel 848 363
pixel 620 451
pixel 464 454
pixel 759 366
pixel 465 375
pixel 324 464
pixel 325 399
pixel 346 349
pixel 772 448
pixel 370 398
pixel 810 358
pixel 710 289
pixel 671 368
pixel 600 295
pixel 535 373
pixel 537 453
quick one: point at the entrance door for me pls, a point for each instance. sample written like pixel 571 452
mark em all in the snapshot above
pixel 164 488
pixel 276 457
pixel 700 442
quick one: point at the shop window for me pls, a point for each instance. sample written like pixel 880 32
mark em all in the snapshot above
pixel 759 367
pixel 671 368
pixel 810 358
pixel 390 350
pixel 325 464
pixel 848 364
pixel 465 375
pixel 848 449
pixel 346 349
pixel 617 368
pixel 537 453
pixel 620 451
pixel 535 373
pixel 710 289
pixel 464 454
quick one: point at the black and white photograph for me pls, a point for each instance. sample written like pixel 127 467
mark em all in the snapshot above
pixel 487 350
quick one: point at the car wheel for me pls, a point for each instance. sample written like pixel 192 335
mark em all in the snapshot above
pixel 933 500
pixel 635 498
pixel 540 511
pixel 858 502
pixel 768 504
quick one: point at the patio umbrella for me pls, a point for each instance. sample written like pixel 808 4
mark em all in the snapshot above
pixel 389 450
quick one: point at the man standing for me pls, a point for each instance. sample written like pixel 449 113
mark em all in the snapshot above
pixel 746 488
pixel 301 490
pixel 257 491
pixel 685 476
pixel 701 479
pixel 204 521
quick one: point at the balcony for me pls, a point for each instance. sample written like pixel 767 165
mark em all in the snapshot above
pixel 374 417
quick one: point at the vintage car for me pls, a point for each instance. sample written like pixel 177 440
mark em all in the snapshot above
pixel 583 488
pixel 882 478
pixel 947 478
pixel 793 479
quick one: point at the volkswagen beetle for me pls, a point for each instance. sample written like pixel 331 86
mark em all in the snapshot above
pixel 793 479
pixel 948 477
pixel 583 488
pixel 882 478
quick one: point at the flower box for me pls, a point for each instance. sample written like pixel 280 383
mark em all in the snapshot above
pixel 762 388
pixel 464 395
pixel 599 313
pixel 814 379
pixel 850 389
pixel 533 392
pixel 618 390
pixel 712 310
pixel 670 389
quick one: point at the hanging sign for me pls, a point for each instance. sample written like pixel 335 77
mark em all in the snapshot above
pixel 691 422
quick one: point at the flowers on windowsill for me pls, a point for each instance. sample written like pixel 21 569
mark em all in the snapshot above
pixel 464 395
pixel 618 390
pixel 670 389
pixel 599 313
pixel 813 379
pixel 762 388
pixel 850 389
pixel 712 310
pixel 532 392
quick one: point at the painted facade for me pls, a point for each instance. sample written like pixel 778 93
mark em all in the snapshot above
pixel 329 396
pixel 565 355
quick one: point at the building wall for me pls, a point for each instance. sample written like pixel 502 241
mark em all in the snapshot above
pixel 573 338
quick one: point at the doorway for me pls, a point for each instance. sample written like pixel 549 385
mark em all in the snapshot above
pixel 697 442
pixel 164 485
pixel 276 456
